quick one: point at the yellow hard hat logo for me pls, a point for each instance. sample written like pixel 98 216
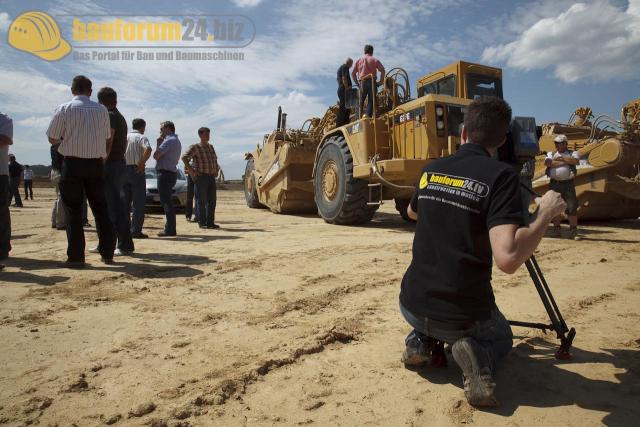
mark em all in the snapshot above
pixel 38 34
pixel 424 181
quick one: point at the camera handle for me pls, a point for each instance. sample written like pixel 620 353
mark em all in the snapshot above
pixel 565 335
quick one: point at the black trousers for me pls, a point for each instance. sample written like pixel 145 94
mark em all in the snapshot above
pixel 85 176
pixel 5 217
pixel 28 188
pixel 342 117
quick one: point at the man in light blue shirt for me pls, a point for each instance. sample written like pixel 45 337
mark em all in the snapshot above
pixel 167 156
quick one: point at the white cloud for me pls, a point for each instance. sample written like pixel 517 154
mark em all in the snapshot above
pixel 595 41
pixel 30 92
pixel 5 21
pixel 35 121
pixel 288 61
pixel 247 3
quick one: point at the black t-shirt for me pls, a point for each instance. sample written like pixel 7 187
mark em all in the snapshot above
pixel 119 146
pixel 15 170
pixel 458 199
pixel 343 71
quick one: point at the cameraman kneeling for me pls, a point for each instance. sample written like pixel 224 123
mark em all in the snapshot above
pixel 468 207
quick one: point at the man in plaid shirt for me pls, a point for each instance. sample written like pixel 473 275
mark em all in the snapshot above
pixel 201 163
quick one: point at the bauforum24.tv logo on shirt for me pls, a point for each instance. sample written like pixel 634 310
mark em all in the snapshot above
pixel 131 37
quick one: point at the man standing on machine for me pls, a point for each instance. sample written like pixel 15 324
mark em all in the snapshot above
pixel 468 208
pixel 364 74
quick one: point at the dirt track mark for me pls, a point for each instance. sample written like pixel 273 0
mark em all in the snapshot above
pixel 343 333
pixel 90 291
pixel 231 266
pixel 315 303
pixel 589 301
pixel 38 317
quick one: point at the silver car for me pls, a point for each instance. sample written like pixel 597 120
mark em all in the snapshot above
pixel 179 194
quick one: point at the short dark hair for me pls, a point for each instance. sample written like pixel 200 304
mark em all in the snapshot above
pixel 107 96
pixel 168 124
pixel 203 130
pixel 368 49
pixel 487 121
pixel 80 85
pixel 138 124
pixel 26 166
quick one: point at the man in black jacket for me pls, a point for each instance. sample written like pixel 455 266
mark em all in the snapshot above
pixel 15 172
pixel 468 208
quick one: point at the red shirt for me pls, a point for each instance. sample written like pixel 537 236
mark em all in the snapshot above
pixel 367 64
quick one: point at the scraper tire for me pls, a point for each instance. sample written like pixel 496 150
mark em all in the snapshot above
pixel 341 199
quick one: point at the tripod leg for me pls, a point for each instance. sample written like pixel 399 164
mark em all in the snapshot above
pixel 534 262
pixel 550 305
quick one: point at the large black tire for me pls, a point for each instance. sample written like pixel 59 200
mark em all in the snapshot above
pixel 250 189
pixel 401 207
pixel 341 199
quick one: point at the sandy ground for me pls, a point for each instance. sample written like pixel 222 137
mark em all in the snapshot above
pixel 287 320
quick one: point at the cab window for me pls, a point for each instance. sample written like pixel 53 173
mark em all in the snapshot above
pixel 479 85
pixel 444 86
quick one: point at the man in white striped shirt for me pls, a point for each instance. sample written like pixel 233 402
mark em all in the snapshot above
pixel 83 126
pixel 135 189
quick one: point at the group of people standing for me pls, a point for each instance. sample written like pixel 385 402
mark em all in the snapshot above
pixel 95 159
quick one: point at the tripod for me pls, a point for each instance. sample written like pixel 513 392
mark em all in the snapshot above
pixel 565 335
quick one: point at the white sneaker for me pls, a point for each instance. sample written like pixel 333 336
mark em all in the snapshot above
pixel 94 250
pixel 119 252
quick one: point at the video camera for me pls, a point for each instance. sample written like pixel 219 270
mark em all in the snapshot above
pixel 521 146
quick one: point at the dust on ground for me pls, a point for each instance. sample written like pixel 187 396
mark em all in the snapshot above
pixel 286 320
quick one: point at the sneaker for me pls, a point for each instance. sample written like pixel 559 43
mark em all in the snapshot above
pixel 94 250
pixel 164 234
pixel 139 236
pixel 214 226
pixel 555 232
pixel 416 352
pixel 120 252
pixel 573 233
pixel 107 260
pixel 476 374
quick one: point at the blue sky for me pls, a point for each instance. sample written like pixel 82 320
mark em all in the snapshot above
pixel 556 55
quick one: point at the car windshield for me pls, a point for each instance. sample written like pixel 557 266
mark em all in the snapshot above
pixel 151 173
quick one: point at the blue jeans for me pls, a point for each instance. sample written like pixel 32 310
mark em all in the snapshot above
pixel 135 191
pixel 188 209
pixel 494 335
pixel 206 199
pixel 368 93
pixel 166 181
pixel 5 217
pixel 115 176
